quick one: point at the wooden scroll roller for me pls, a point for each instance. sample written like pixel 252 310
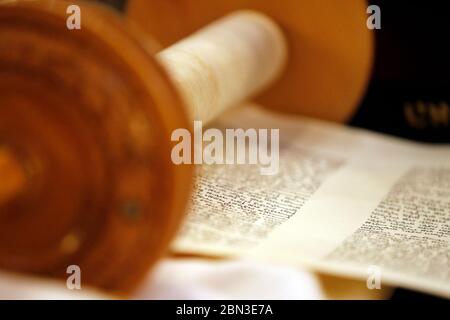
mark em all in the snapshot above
pixel 86 115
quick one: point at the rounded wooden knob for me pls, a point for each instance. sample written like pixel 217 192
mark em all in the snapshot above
pixel 87 116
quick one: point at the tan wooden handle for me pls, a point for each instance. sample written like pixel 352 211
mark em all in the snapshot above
pixel 226 62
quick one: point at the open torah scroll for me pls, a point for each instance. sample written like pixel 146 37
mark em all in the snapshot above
pixel 345 201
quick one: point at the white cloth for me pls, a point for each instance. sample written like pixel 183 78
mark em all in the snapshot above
pixel 235 279
pixel 186 279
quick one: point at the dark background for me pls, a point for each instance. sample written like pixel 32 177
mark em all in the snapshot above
pixel 409 92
